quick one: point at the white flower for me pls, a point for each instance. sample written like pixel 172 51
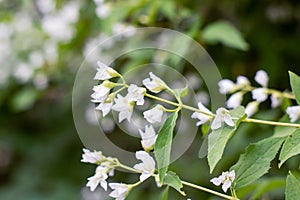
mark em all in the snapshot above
pixel 120 190
pixel 105 107
pixel 100 93
pixel 156 84
pixel 251 108
pixel 124 107
pixel 235 100
pixel 148 137
pixel 103 10
pixel 99 178
pixel 155 114
pixel 226 86
pixel 203 118
pixel 293 112
pixel 104 72
pixel 259 94
pixel 91 157
pixel 242 81
pixel 222 115
pixel 147 167
pixel 262 78
pixel 136 93
pixel 276 100
pixel 226 179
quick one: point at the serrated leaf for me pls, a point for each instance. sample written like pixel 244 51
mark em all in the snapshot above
pixel 295 84
pixel 225 33
pixel 290 148
pixel 255 162
pixel 218 139
pixel 174 181
pixel 292 189
pixel 182 92
pixel 162 146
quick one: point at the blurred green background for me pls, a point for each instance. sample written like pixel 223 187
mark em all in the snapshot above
pixel 43 42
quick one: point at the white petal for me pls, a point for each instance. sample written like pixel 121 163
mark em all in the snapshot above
pixel 216 181
pixel 226 185
pixel 216 123
pixel 242 81
pixel 293 112
pixel 235 100
pixel 251 108
pixel 228 120
pixel 154 115
pixel 276 100
pixel 259 94
pixel 226 86
pixel 262 78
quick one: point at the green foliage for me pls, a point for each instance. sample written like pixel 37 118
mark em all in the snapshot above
pixel 295 84
pixel 172 180
pixel 181 92
pixel 162 147
pixel 292 190
pixel 218 139
pixel 24 99
pixel 255 162
pixel 291 147
pixel 225 33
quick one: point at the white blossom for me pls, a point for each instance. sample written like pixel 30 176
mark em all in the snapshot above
pixel 120 190
pixel 262 78
pixel 251 108
pixel 156 84
pixel 235 100
pixel 148 137
pixel 100 93
pixel 124 107
pixel 222 115
pixel 105 107
pixel 104 72
pixel 259 94
pixel 99 178
pixel 155 114
pixel 136 93
pixel 242 81
pixel 276 100
pixel 91 157
pixel 226 86
pixel 203 118
pixel 293 112
pixel 147 167
pixel 226 179
pixel 103 10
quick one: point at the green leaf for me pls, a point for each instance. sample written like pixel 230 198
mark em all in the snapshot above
pixel 255 162
pixel 225 33
pixel 165 193
pixel 218 139
pixel 292 189
pixel 283 131
pixel 291 147
pixel 24 99
pixel 295 84
pixel 174 181
pixel 182 92
pixel 162 147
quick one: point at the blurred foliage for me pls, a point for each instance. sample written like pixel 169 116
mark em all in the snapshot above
pixel 43 42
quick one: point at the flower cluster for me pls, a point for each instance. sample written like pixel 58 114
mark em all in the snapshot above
pixel 259 94
pixel 107 165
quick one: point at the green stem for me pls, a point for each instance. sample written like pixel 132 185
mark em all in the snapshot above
pixel 208 190
pixel 247 120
